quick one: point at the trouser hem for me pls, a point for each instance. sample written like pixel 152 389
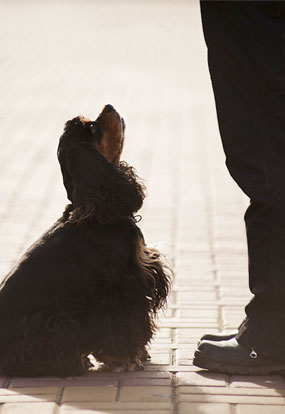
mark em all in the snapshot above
pixel 264 338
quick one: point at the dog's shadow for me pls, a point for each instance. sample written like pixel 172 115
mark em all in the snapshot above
pixel 97 390
pixel 108 391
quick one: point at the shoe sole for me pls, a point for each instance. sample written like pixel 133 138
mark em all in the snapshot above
pixel 215 366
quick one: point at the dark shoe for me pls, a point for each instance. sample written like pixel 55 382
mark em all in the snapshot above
pixel 232 358
pixel 218 336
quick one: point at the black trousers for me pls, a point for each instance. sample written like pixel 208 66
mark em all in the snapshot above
pixel 246 56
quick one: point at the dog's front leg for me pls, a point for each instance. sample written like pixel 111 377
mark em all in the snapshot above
pixel 143 355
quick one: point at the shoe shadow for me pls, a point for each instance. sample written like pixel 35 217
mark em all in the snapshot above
pixel 263 390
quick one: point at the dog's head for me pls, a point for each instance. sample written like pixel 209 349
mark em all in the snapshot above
pixel 105 134
pixel 99 186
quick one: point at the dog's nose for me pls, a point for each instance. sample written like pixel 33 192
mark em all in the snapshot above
pixel 108 108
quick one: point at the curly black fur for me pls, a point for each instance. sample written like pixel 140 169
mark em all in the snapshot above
pixel 89 284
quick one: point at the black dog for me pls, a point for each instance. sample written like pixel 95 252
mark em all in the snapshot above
pixel 89 285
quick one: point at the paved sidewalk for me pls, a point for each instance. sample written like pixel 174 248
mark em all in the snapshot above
pixel 147 58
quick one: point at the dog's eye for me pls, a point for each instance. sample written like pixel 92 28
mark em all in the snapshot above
pixel 95 130
pixel 92 127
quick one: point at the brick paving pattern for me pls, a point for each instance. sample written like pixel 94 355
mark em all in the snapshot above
pixel 147 58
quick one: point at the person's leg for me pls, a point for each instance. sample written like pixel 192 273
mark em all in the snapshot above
pixel 263 329
pixel 246 55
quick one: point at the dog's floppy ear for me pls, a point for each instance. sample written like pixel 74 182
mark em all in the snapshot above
pixel 75 132
pixel 100 190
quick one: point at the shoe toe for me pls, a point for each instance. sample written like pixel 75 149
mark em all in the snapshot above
pixel 204 345
pixel 208 348
pixel 222 351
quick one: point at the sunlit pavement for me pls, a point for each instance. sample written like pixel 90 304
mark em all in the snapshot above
pixel 148 59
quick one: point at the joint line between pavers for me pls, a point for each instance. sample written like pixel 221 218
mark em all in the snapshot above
pixel 173 356
pixel 233 408
pixel 172 335
pixel 173 395
pixel 56 409
pixel 119 386
pixel 7 382
pixel 60 395
pixel 174 297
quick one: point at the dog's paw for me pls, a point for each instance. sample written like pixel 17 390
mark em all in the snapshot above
pixel 85 361
pixel 129 366
pixel 134 366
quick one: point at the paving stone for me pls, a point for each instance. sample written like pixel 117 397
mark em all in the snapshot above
pixel 162 372
pixel 259 409
pixel 19 382
pixel 192 334
pixel 200 408
pixel 163 358
pixel 29 408
pixel 118 405
pixel 230 395
pixel 146 382
pixel 163 333
pixel 184 356
pixel 95 393
pixel 147 394
pixel 186 322
pixel 196 296
pixel 273 381
pixel 231 399
pixel 201 379
pixel 28 394
pixel 232 391
pixel 114 410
